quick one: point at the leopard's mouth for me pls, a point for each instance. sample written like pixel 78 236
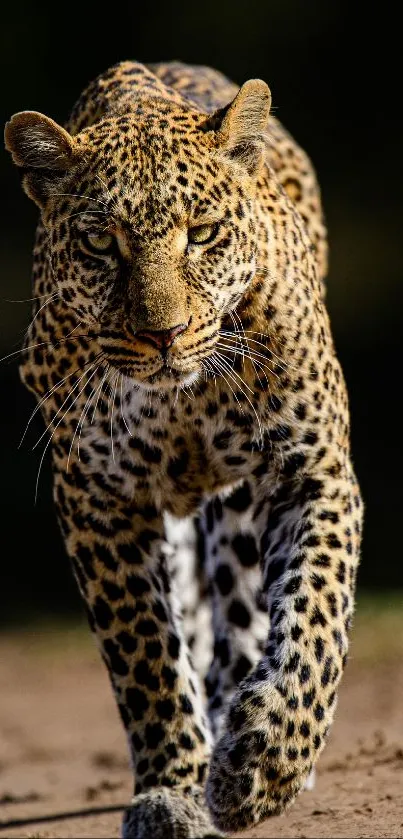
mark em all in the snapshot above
pixel 170 376
pixel 168 368
pixel 164 376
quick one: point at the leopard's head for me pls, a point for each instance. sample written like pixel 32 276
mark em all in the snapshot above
pixel 150 223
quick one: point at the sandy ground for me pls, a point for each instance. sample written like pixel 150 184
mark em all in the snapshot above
pixel 63 763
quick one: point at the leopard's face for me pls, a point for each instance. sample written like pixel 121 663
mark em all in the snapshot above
pixel 160 235
pixel 150 221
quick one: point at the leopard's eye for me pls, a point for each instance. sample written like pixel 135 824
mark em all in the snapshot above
pixel 98 243
pixel 202 234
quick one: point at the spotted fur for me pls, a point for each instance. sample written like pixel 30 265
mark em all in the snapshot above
pixel 182 358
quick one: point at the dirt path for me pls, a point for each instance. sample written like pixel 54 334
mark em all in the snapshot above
pixel 63 763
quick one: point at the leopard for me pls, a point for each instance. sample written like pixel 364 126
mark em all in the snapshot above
pixel 182 358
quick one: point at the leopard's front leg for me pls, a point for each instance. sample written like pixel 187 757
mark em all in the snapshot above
pixel 116 549
pixel 280 715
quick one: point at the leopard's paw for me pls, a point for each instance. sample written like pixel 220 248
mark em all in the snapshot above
pixel 248 781
pixel 166 814
pixel 260 764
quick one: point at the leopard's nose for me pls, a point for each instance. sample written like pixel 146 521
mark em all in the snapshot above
pixel 161 338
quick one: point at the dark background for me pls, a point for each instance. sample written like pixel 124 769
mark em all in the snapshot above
pixel 333 72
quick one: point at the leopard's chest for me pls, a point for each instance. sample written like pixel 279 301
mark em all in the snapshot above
pixel 174 458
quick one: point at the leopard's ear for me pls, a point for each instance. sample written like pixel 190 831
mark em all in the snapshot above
pixel 242 125
pixel 42 148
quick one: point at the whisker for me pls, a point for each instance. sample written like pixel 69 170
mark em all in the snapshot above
pixel 236 319
pixel 25 349
pixel 252 355
pixel 99 391
pixel 240 337
pixel 185 388
pixel 112 410
pixel 243 336
pixel 48 394
pixel 279 360
pixel 74 329
pixel 50 300
pixel 236 334
pixel 105 186
pixel 121 406
pixel 223 361
pixel 208 370
pixel 84 213
pixel 26 299
pixel 51 344
pixel 80 421
pixel 234 373
pixel 217 366
pixel 62 406
pixel 264 335
pixel 86 409
pixel 253 360
pixel 263 367
pixel 54 431
pixel 83 197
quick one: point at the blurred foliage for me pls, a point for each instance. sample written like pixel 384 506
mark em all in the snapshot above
pixel 377 634
pixel 332 68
